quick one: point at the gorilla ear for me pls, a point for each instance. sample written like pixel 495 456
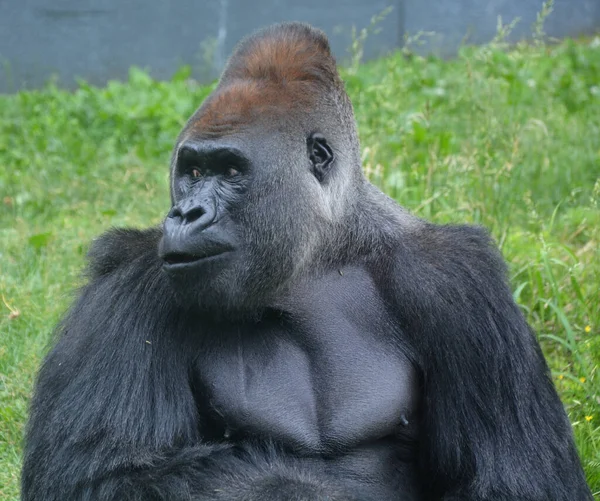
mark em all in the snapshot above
pixel 320 154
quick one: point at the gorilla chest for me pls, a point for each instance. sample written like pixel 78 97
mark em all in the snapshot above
pixel 334 377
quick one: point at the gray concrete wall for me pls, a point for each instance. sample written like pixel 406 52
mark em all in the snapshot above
pixel 476 20
pixel 98 40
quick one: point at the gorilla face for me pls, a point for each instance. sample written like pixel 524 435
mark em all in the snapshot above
pixel 227 244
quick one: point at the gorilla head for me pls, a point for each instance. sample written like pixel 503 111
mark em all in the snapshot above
pixel 278 132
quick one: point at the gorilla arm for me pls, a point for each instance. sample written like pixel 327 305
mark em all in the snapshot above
pixel 494 428
pixel 114 418
pixel 102 401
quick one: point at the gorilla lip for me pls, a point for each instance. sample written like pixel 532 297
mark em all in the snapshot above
pixel 176 252
pixel 178 259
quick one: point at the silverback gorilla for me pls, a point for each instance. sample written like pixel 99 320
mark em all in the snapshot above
pixel 290 333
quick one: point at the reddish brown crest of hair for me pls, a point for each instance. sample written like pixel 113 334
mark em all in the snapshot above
pixel 278 69
pixel 284 53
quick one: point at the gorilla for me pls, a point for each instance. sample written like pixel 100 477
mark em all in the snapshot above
pixel 290 333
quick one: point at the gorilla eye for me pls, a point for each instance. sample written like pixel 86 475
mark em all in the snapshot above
pixel 320 154
pixel 231 172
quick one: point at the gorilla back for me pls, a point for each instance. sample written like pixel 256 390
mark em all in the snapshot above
pixel 290 333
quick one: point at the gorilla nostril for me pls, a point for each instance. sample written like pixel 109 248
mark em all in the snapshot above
pixel 174 212
pixel 193 214
pixel 187 214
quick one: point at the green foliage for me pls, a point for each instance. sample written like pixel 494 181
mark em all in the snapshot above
pixel 505 138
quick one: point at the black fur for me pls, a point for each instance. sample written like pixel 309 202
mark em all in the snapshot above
pixel 346 350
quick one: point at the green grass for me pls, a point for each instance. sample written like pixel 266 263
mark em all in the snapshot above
pixel 507 139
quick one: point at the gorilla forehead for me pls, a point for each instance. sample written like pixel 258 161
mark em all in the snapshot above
pixel 243 104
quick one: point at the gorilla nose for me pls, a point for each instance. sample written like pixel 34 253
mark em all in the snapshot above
pixel 191 214
pixel 184 240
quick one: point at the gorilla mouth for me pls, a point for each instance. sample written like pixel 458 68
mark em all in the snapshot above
pixel 183 258
pixel 174 256
pixel 180 258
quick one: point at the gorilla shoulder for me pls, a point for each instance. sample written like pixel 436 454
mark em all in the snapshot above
pixel 435 258
pixel 465 245
pixel 120 247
